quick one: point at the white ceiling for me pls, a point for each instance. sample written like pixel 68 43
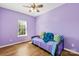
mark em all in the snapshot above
pixel 19 7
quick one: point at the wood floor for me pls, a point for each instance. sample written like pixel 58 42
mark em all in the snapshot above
pixel 28 49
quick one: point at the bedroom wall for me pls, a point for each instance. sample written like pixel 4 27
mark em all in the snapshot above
pixel 9 26
pixel 62 20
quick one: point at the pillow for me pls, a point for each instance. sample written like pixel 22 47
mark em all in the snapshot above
pixel 42 35
pixel 48 37
pixel 57 38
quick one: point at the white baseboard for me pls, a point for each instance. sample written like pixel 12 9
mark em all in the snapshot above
pixel 13 44
pixel 71 51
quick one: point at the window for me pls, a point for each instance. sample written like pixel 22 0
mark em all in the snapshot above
pixel 22 28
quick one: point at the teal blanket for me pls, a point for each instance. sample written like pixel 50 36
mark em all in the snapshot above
pixel 48 37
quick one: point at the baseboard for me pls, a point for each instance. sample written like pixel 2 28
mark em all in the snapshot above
pixel 13 44
pixel 71 51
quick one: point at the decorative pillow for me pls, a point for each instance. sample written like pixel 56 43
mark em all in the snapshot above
pixel 42 35
pixel 57 37
pixel 48 37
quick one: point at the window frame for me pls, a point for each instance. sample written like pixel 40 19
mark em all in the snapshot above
pixel 25 28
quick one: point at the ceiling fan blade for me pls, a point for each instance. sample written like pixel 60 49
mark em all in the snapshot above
pixel 27 6
pixel 39 6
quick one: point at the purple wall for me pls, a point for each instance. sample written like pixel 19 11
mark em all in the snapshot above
pixel 63 20
pixel 9 26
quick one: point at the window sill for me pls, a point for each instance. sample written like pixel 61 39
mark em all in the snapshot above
pixel 22 35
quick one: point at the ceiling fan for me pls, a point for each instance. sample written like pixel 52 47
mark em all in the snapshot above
pixel 34 7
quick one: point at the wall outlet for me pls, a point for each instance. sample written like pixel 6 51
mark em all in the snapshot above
pixel 73 45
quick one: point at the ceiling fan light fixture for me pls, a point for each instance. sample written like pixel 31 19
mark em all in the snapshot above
pixel 34 7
